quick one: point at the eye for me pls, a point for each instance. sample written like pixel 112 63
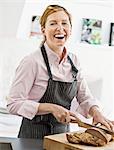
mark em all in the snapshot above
pixel 64 23
pixel 52 23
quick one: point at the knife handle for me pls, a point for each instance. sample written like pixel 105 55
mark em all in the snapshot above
pixel 80 123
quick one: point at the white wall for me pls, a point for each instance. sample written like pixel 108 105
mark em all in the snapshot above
pixel 98 62
pixel 10 13
pixel 78 9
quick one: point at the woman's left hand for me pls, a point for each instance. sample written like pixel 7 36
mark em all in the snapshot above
pixel 98 117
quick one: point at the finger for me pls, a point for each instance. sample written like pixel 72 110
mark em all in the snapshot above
pixel 67 120
pixel 111 125
pixel 64 117
pixel 98 124
pixel 73 116
pixel 62 120
pixel 94 122
pixel 112 122
pixel 106 124
pixel 59 118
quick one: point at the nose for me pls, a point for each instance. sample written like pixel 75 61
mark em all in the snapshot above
pixel 60 27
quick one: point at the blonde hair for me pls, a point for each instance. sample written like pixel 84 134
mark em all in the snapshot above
pixel 50 10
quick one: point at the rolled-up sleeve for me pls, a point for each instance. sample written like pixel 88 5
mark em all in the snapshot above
pixel 17 100
pixel 84 96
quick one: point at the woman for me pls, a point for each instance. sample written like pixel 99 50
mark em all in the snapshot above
pixel 47 81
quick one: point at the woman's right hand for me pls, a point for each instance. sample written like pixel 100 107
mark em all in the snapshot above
pixel 62 114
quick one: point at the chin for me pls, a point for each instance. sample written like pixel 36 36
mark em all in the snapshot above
pixel 60 44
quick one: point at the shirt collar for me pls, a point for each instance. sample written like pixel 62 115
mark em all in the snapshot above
pixel 52 56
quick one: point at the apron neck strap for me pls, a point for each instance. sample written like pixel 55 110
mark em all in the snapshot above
pixel 74 70
pixel 46 60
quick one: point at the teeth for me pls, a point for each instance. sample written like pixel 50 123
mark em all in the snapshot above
pixel 59 36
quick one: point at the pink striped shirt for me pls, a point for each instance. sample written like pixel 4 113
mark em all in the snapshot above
pixel 31 78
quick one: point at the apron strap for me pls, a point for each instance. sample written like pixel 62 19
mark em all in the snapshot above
pixel 46 60
pixel 74 69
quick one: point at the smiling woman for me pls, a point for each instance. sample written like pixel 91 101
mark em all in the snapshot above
pixel 56 27
pixel 47 81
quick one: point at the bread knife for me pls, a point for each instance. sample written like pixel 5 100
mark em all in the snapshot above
pixel 87 125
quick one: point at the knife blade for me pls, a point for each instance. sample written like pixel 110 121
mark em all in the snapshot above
pixel 87 125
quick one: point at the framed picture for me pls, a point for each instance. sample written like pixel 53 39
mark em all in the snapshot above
pixel 91 31
pixel 35 31
pixel 111 38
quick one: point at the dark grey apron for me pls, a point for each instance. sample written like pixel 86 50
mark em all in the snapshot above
pixel 57 92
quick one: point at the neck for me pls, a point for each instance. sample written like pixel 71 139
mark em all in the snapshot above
pixel 57 49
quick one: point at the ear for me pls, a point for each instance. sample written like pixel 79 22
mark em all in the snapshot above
pixel 43 30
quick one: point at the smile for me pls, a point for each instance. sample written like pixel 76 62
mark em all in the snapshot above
pixel 59 36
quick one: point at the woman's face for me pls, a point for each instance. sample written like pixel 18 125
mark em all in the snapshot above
pixel 57 29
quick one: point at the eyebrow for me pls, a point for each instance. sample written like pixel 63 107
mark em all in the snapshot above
pixel 56 20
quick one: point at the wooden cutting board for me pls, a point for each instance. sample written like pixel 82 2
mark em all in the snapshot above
pixel 59 142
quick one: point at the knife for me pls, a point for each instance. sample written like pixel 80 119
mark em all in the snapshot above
pixel 87 125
